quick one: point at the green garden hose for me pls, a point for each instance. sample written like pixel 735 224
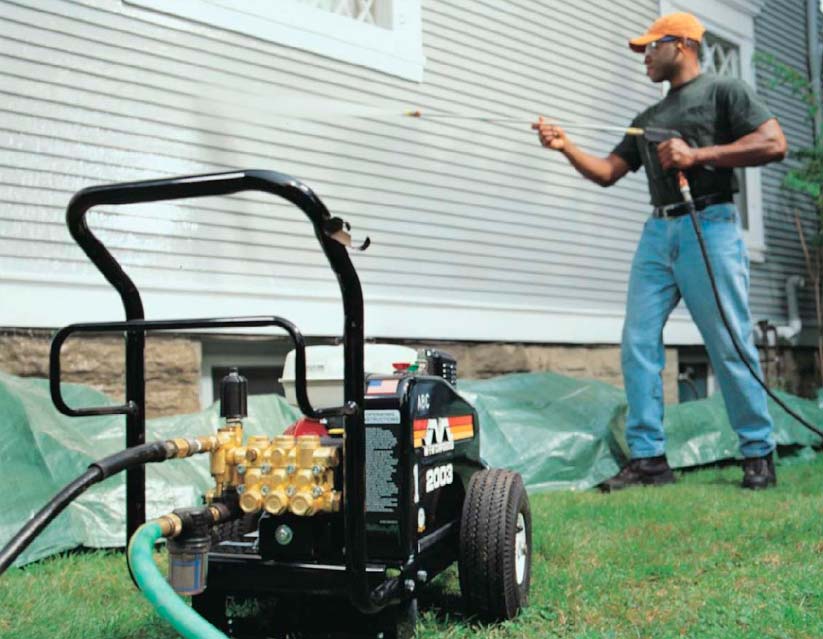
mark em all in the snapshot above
pixel 159 593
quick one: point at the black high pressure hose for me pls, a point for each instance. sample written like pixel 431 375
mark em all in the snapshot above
pixel 687 197
pixel 156 451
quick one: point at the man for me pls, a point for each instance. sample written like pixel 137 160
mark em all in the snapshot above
pixel 723 125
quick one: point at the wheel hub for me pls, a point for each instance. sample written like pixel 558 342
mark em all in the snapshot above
pixel 521 549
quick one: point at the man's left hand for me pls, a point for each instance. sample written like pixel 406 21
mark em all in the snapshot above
pixel 676 154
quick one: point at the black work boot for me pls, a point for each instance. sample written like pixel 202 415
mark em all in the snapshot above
pixel 758 472
pixel 646 471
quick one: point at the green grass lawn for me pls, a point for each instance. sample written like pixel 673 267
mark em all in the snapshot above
pixel 698 559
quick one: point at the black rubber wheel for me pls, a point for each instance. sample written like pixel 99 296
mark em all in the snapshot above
pixel 495 545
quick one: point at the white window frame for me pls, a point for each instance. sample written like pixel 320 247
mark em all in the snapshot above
pixel 733 20
pixel 396 49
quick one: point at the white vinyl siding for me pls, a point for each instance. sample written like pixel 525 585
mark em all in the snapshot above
pixel 478 233
pixel 785 256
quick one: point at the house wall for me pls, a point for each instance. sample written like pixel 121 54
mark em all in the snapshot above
pixel 780 30
pixel 478 233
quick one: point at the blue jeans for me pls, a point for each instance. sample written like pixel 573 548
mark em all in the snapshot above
pixel 667 265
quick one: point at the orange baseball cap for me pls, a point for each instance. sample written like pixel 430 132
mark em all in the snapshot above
pixel 682 25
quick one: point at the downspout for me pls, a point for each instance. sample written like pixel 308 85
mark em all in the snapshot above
pixel 790 331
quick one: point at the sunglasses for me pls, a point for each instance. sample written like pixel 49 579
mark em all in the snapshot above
pixel 654 46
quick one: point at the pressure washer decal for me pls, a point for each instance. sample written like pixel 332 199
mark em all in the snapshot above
pixel 423 403
pixel 382 417
pixel 382 387
pixel 438 477
pixel 438 435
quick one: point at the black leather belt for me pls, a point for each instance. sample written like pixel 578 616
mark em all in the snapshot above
pixel 701 202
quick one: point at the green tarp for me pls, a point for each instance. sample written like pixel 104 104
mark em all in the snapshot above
pixel 565 433
pixel 558 432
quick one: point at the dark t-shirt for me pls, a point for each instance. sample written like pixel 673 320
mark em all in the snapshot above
pixel 707 111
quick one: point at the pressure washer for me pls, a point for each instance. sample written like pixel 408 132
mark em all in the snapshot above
pixel 332 526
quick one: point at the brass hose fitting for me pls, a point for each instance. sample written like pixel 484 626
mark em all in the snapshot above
pixel 171 525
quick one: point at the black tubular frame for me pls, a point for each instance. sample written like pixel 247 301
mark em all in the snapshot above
pixel 135 326
pixel 142 326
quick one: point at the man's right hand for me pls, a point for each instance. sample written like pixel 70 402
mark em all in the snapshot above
pixel 551 136
pixel 603 171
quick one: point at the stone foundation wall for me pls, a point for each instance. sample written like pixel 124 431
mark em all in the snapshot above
pixel 172 366
pixel 480 361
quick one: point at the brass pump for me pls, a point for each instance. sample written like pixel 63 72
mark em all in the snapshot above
pixel 294 474
pixel 287 473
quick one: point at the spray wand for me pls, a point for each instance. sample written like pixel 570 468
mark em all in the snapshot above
pixel 417 113
pixel 650 133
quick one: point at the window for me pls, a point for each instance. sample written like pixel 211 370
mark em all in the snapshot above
pixel 366 11
pixel 695 378
pixel 720 57
pixel 728 50
pixel 692 382
pixel 259 360
pixel 385 35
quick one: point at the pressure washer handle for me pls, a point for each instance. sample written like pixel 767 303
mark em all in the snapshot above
pixel 202 185
pixel 189 186
pixel 661 135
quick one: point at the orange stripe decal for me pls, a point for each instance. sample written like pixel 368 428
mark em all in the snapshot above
pixel 460 427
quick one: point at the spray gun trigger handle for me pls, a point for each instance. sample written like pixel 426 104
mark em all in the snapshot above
pixel 660 135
